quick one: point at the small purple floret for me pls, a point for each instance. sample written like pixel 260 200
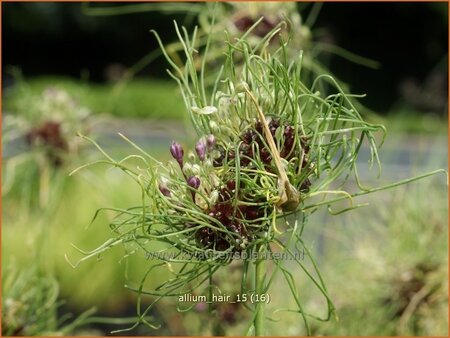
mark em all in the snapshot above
pixel 177 152
pixel 193 182
pixel 200 148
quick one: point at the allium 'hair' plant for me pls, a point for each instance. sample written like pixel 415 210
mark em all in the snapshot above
pixel 47 125
pixel 270 152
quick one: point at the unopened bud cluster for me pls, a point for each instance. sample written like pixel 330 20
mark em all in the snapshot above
pixel 189 170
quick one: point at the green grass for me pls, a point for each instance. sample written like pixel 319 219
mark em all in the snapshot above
pixel 403 119
pixel 139 98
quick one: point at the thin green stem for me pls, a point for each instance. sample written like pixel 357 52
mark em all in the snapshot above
pixel 260 276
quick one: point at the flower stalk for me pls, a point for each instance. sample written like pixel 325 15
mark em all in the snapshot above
pixel 260 276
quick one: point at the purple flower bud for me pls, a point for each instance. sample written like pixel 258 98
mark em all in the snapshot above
pixel 210 141
pixel 177 152
pixel 164 190
pixel 200 148
pixel 193 182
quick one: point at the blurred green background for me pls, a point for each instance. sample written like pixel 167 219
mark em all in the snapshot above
pixel 386 264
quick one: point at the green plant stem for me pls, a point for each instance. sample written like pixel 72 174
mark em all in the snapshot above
pixel 260 275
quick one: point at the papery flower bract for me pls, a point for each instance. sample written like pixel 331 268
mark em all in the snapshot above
pixel 213 126
pixel 196 169
pixel 191 156
pixel 205 110
pixel 210 141
pixel 164 190
pixel 187 168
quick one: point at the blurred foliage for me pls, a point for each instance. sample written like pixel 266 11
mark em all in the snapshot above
pixel 60 221
pixel 387 267
pixel 404 120
pixel 391 270
pixel 393 278
pixel 30 304
pixel 138 98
